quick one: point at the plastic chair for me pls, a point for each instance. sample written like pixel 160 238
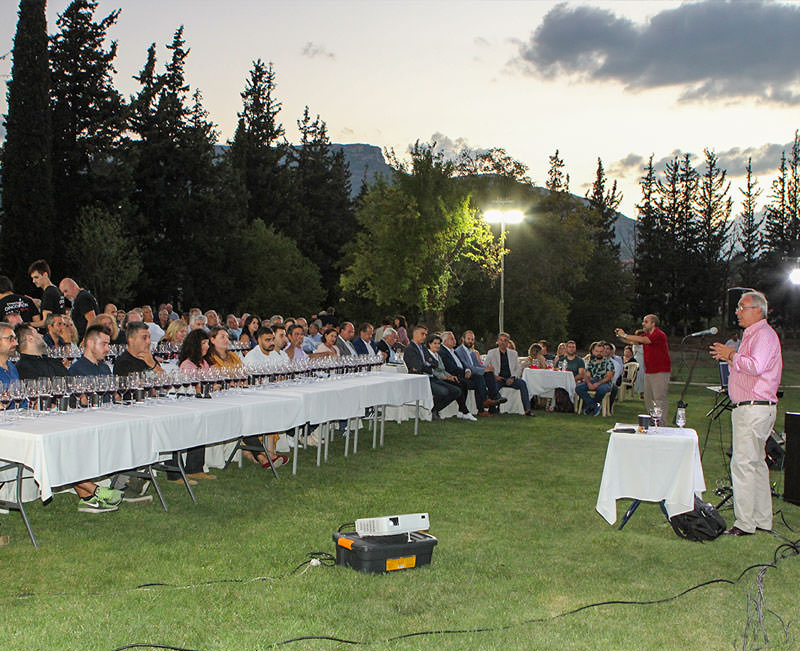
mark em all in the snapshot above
pixel 629 373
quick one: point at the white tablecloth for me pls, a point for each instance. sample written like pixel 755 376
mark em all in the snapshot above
pixel 543 382
pixel 663 464
pixel 67 448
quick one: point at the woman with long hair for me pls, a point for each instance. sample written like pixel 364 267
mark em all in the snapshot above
pixel 192 358
pixel 177 332
pixel 401 326
pixel 248 336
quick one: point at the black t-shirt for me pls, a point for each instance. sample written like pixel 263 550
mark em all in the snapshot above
pixel 84 302
pixel 20 304
pixel 53 300
pixel 127 364
pixel 505 370
pixel 31 366
pixel 84 367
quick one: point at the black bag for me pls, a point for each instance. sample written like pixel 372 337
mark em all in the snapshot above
pixel 563 403
pixel 704 523
pixel 774 454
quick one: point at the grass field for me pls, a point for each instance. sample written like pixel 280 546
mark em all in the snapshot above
pixel 511 501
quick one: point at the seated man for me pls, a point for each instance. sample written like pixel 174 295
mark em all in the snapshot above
pixel 32 365
pixel 598 378
pixel 610 352
pixel 344 342
pixel 471 360
pixel 55 335
pixel 456 367
pixel 575 364
pixel 420 362
pixel 386 346
pixel 363 343
pixel 508 371
pixel 11 303
pixel 440 373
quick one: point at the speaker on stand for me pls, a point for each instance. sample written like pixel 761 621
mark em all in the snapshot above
pixel 791 463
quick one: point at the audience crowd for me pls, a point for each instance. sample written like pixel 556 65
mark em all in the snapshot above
pixel 68 318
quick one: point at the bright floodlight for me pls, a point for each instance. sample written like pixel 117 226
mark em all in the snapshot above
pixel 507 216
pixel 794 276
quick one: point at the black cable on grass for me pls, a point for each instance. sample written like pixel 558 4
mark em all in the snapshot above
pixel 349 525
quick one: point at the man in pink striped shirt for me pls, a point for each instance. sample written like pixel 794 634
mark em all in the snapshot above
pixel 753 389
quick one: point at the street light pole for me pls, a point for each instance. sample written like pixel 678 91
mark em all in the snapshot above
pixel 502 217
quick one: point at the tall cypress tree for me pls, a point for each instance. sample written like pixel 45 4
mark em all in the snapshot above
pixel 649 271
pixel 557 180
pixel 604 205
pixel 88 120
pixel 28 225
pixel 748 233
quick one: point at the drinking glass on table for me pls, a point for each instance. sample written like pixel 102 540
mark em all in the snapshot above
pixel 655 415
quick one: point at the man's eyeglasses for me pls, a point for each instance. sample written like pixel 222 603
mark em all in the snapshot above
pixel 9 337
pixel 739 308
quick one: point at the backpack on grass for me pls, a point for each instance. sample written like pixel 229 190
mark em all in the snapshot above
pixel 563 403
pixel 704 523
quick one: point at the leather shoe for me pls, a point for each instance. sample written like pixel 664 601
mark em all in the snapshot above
pixel 490 403
pixel 484 413
pixel 501 400
pixel 736 531
pixel 435 415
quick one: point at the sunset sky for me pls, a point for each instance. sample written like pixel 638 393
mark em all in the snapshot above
pixel 618 80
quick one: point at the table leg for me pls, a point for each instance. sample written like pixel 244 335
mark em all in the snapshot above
pixel 416 420
pixel 20 469
pixel 296 445
pixel 157 488
pixel 383 422
pixel 631 510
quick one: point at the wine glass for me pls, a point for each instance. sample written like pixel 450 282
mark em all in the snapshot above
pixel 655 415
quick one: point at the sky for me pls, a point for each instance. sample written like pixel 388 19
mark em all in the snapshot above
pixel 617 80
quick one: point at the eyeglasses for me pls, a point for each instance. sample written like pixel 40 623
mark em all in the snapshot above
pixel 9 337
pixel 739 308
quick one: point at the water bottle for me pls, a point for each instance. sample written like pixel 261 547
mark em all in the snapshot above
pixel 680 414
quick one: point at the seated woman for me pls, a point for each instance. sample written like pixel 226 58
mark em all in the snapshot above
pixel 192 358
pixel 536 356
pixel 627 354
pixel 248 336
pixel 440 373
pixel 176 332
pixel 219 355
pixel 327 347
pixel 401 327
pixel 110 322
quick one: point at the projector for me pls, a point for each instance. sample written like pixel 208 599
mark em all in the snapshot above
pixel 392 525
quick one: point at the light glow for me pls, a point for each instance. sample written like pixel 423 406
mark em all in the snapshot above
pixel 794 276
pixel 504 216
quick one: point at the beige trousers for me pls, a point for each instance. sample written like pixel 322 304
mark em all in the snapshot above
pixel 752 496
pixel 656 386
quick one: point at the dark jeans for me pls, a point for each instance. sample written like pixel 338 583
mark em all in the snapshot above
pixel 589 403
pixel 520 386
pixel 443 393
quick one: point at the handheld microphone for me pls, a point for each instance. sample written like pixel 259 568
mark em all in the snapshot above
pixel 703 333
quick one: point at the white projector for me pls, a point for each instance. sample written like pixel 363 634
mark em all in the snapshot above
pixel 391 525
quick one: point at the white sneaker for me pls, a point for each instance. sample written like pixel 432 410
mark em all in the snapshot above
pixel 466 416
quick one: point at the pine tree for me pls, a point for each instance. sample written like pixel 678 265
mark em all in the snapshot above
pixel 649 271
pixel 325 219
pixel 259 153
pixel 88 118
pixel 793 197
pixel 748 234
pixel 777 213
pixel 604 205
pixel 713 210
pixel 556 180
pixel 29 228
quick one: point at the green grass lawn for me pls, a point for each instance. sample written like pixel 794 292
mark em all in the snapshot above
pixel 510 499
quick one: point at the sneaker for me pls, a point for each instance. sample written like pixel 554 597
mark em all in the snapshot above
pixel 277 462
pixel 466 416
pixel 95 505
pixel 108 495
pixel 135 493
pixel 597 410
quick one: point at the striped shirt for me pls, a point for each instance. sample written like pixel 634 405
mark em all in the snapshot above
pixel 756 368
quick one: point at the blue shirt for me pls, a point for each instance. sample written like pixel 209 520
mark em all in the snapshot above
pixel 10 375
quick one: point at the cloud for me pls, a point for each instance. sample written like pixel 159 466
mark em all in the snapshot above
pixel 710 50
pixel 452 149
pixel 314 51
pixel 765 161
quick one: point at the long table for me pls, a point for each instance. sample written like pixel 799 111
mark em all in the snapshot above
pixel 544 382
pixel 63 449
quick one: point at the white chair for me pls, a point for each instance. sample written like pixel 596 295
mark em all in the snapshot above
pixel 629 372
pixel 514 404
pixel 606 408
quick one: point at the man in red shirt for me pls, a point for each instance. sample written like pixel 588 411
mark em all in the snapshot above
pixel 657 364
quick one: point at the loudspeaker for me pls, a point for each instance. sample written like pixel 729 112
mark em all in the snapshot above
pixel 791 464
pixel 734 294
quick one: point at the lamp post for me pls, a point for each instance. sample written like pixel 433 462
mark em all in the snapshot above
pixel 503 217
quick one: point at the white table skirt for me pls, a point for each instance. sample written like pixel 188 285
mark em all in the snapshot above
pixel 63 449
pixel 663 464
pixel 543 382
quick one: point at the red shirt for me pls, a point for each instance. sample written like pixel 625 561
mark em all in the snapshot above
pixel 656 353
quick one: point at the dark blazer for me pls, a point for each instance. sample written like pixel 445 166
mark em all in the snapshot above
pixel 450 364
pixel 415 363
pixel 342 346
pixel 361 347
